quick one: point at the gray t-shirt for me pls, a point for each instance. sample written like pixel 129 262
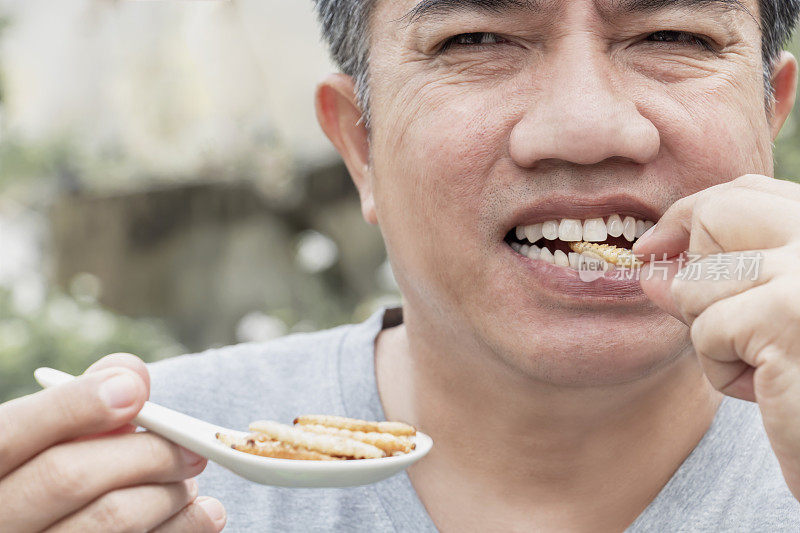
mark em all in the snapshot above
pixel 730 482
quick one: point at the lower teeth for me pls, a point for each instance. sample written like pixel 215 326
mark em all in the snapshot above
pixel 582 252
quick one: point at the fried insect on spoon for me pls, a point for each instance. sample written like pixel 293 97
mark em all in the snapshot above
pixel 324 438
pixel 258 445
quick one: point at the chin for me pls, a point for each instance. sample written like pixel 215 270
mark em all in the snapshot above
pixel 586 348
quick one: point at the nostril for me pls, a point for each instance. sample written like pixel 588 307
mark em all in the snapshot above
pixel 586 132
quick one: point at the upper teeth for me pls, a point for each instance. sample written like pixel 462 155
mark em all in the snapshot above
pixel 591 230
pixel 595 230
pixel 570 230
pixel 549 230
pixel 614 225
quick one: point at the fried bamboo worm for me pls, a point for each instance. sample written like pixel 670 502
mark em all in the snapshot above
pixel 611 254
pixel 329 444
pixel 385 441
pixel 395 428
pixel 270 448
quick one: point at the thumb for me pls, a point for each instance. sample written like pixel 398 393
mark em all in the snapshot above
pixel 656 278
pixel 126 360
pixel 130 362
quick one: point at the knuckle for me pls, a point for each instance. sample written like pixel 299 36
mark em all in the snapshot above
pixel 748 180
pixel 111 513
pixel 194 518
pixel 706 205
pixel 697 332
pixel 685 201
pixel 61 475
pixel 702 215
pixel 680 206
pixel 67 405
pixel 160 453
pixel 766 359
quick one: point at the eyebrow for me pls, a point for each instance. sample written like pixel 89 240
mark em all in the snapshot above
pixel 427 9
pixel 441 8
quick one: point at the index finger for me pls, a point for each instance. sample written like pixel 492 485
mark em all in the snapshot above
pixel 742 209
pixel 93 403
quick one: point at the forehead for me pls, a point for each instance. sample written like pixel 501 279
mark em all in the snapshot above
pixel 415 12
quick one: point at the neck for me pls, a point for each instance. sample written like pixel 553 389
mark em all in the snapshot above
pixel 517 440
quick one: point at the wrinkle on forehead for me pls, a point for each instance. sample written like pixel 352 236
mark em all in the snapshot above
pixel 608 9
pixel 654 5
pixel 440 9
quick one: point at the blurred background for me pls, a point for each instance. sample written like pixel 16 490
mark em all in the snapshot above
pixel 165 188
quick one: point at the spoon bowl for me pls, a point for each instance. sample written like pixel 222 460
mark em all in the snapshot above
pixel 199 436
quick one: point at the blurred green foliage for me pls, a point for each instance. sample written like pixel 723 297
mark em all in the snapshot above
pixel 787 145
pixel 68 333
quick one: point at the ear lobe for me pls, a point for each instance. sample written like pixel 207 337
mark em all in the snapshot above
pixel 784 84
pixel 341 119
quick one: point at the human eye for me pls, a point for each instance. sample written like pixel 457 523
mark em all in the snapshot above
pixel 679 38
pixel 473 39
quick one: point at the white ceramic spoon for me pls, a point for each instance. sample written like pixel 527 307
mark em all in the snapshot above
pixel 198 436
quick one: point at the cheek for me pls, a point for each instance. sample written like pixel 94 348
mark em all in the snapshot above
pixel 433 171
pixel 706 138
pixel 434 165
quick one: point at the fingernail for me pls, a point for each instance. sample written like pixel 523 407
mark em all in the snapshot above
pixel 119 391
pixel 214 510
pixel 647 233
pixel 191 458
pixel 191 488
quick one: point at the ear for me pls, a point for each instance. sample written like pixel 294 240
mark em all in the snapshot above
pixel 784 84
pixel 341 119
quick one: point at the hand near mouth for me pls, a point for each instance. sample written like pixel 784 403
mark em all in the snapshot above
pixel 733 276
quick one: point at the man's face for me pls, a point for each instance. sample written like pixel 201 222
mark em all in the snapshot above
pixel 554 110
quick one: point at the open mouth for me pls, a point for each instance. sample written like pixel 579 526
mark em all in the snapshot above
pixel 580 244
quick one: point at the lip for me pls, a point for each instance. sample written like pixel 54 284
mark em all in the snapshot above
pixel 619 286
pixel 560 207
pixel 616 286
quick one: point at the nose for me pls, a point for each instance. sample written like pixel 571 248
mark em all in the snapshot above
pixel 579 116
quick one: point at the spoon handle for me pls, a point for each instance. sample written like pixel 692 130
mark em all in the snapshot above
pixel 187 431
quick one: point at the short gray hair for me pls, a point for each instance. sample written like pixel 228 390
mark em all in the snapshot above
pixel 345 28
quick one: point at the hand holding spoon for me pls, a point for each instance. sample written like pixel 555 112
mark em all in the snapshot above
pixel 199 436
